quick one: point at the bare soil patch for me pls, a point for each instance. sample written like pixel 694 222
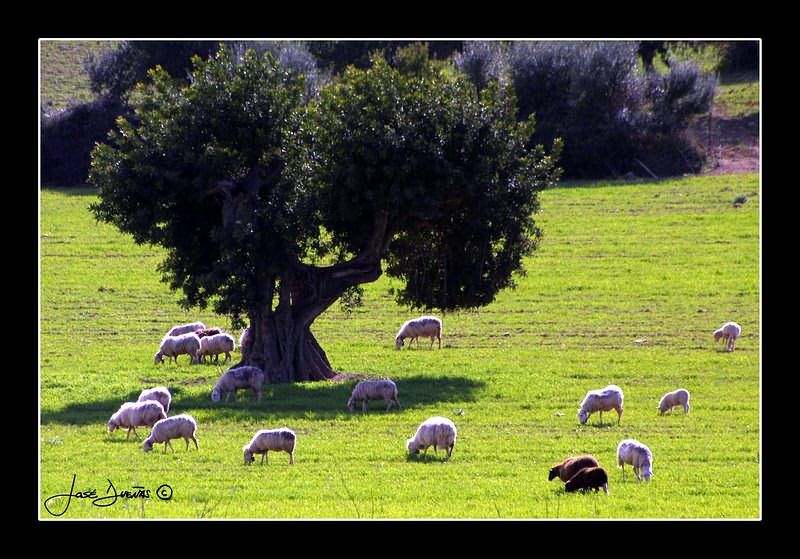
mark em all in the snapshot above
pixel 731 144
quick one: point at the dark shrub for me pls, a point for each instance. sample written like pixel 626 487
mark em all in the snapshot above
pixel 613 117
pixel 68 137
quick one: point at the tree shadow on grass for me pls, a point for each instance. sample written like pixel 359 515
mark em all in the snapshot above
pixel 313 400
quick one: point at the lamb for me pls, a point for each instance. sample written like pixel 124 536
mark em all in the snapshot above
pixel 570 467
pixel 159 394
pixel 216 344
pixel 437 431
pixel 425 326
pixel 263 441
pixel 678 397
pixel 175 427
pixel 136 414
pixel 588 478
pixel 728 332
pixel 234 379
pixel 173 346
pixel 631 451
pixel 373 390
pixel 604 399
pixel 185 328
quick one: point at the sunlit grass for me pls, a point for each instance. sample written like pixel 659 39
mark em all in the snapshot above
pixel 627 287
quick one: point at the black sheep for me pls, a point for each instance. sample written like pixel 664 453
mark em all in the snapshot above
pixel 588 478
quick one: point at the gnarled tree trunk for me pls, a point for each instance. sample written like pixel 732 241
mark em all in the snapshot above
pixel 280 341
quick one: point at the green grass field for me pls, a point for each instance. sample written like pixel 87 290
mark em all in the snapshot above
pixel 629 283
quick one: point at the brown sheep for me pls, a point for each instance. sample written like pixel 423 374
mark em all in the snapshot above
pixel 570 467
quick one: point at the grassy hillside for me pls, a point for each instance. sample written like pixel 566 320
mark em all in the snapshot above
pixel 64 81
pixel 629 283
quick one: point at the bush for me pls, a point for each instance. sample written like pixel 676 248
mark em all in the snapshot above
pixel 68 137
pixel 593 95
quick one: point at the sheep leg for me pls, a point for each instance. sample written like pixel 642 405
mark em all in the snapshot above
pixel 195 443
pixel 170 445
pixel 363 405
pixel 264 457
pixel 291 457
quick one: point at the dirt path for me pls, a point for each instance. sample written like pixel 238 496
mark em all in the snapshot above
pixel 734 144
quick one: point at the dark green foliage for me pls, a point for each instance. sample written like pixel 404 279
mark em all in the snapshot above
pixel 450 169
pixel 160 178
pixel 235 179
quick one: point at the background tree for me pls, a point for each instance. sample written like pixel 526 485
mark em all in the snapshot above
pixel 238 181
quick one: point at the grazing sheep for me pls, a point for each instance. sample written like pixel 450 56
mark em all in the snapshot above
pixel 243 340
pixel 263 441
pixel 136 414
pixel 373 390
pixel 159 394
pixel 216 344
pixel 234 379
pixel 185 328
pixel 728 332
pixel 173 346
pixel 175 427
pixel 570 467
pixel 437 431
pixel 425 326
pixel 631 451
pixel 203 332
pixel 604 399
pixel 588 478
pixel 678 397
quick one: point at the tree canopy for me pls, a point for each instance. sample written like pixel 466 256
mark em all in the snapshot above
pixel 270 208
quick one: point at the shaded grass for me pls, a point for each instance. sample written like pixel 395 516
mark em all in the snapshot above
pixel 627 287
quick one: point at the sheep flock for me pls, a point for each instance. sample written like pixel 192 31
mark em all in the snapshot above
pixel 578 473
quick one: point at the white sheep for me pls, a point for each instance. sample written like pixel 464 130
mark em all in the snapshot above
pixel 373 390
pixel 604 399
pixel 234 379
pixel 159 394
pixel 437 431
pixel 728 332
pixel 185 328
pixel 631 451
pixel 216 344
pixel 175 427
pixel 243 340
pixel 277 440
pixel 136 414
pixel 424 326
pixel 678 397
pixel 173 346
